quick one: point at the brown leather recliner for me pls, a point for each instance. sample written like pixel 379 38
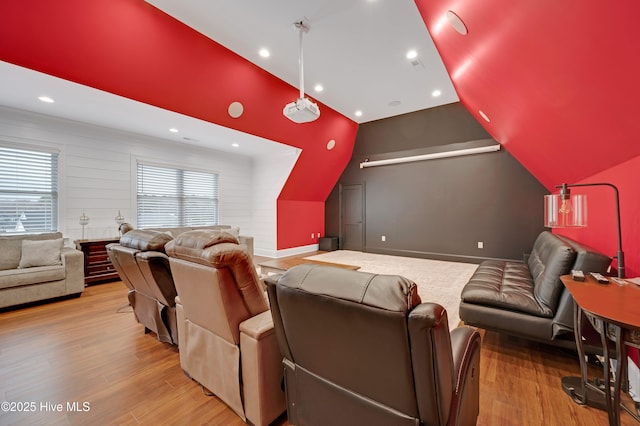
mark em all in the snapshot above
pixel 144 268
pixel 227 342
pixel 361 349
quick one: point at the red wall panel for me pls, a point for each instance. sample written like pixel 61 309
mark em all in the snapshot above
pixel 290 214
pixel 558 81
pixel 130 48
pixel 601 229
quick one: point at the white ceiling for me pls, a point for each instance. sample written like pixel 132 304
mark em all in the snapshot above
pixel 355 48
pixel 20 88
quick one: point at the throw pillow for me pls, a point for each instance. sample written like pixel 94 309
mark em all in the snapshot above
pixel 41 253
pixel 10 253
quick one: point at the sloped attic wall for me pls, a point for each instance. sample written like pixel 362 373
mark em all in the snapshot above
pixel 558 83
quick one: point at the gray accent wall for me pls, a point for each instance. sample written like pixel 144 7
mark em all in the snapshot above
pixel 440 208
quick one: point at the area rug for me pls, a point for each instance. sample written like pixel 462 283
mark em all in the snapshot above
pixel 438 281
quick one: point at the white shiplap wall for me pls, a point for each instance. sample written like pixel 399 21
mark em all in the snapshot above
pixel 269 175
pixel 98 167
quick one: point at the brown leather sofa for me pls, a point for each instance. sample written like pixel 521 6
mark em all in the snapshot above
pixel 361 349
pixel 226 337
pixel 527 299
pixel 144 268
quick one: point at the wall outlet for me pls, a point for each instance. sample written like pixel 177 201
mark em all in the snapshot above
pixel 313 235
pixel 480 244
pixel 383 238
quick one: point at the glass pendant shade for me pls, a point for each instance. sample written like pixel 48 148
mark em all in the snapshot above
pixel 564 213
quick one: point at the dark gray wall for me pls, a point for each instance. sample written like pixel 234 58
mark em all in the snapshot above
pixel 440 208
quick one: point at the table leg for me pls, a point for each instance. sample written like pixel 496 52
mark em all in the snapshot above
pixel 580 389
pixel 612 410
pixel 621 369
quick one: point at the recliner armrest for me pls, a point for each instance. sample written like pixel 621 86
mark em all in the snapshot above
pixel 465 345
pixel 465 342
pixel 258 326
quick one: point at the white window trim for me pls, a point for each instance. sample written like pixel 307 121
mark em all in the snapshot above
pixel 18 143
pixel 176 165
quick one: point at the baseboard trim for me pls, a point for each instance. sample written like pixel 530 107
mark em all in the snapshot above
pixel 294 251
pixel 434 256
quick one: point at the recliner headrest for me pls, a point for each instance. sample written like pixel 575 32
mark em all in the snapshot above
pixel 207 247
pixel 125 227
pixel 145 240
pixel 390 292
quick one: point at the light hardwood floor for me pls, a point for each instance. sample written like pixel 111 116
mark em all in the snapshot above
pixel 90 350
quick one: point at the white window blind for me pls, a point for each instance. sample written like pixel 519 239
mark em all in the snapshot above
pixel 170 197
pixel 28 191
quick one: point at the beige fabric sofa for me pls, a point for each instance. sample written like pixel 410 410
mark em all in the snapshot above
pixel 38 267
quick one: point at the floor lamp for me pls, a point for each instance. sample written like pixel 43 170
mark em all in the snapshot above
pixel 566 210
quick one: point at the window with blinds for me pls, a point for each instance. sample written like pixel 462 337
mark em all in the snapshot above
pixel 28 191
pixel 170 197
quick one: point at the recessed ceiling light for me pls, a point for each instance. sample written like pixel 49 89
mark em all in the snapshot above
pixel 436 93
pixel 358 113
pixel 412 54
pixel 264 53
pixel 457 23
pixel 235 145
pixel 46 99
pixel 173 130
pixel 318 88
pixel 484 116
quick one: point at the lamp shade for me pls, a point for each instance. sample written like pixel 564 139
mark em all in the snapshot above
pixel 84 219
pixel 564 213
pixel 120 219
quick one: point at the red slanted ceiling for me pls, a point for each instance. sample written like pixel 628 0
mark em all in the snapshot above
pixel 559 83
pixel 130 48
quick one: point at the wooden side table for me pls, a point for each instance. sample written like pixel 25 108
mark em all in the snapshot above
pixel 613 311
pixel 97 266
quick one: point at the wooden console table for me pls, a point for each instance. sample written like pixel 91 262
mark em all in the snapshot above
pixel 97 266
pixel 613 311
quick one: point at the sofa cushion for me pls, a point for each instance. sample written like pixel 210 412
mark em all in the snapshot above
pixel 11 250
pixel 11 247
pixel 504 285
pixel 27 276
pixel 550 258
pixel 587 258
pixel 40 253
